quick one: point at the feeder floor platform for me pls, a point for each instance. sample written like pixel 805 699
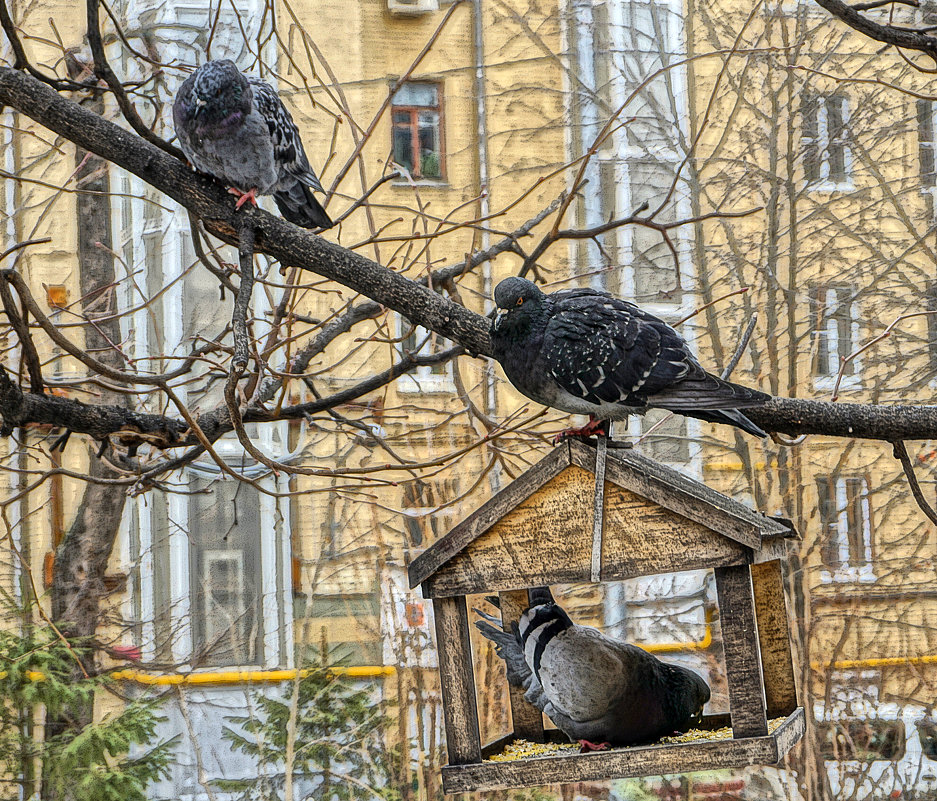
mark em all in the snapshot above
pixel 709 749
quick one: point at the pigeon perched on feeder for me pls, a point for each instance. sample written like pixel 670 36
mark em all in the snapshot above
pixel 597 690
pixel 238 130
pixel 586 352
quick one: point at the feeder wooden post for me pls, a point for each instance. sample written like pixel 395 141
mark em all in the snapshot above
pixel 527 719
pixel 774 635
pixel 740 643
pixel 457 680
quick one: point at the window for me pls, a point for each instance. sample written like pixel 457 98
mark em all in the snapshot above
pixel 425 521
pixel 845 527
pixel 827 159
pixel 863 740
pixel 836 330
pixel 416 111
pixel 417 340
pixel 927 734
pixel 925 131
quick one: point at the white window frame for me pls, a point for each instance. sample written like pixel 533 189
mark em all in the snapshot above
pixel 847 572
pixel 830 329
pixel 422 378
pixel 824 144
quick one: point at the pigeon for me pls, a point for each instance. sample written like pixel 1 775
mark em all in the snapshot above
pixel 587 352
pixel 597 690
pixel 238 130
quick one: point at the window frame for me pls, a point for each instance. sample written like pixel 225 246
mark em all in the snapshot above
pixel 422 378
pixel 815 114
pixel 844 568
pixel 414 127
pixel 822 312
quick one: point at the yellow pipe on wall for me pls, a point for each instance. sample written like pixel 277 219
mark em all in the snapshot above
pixel 884 661
pixel 245 676
pixel 695 645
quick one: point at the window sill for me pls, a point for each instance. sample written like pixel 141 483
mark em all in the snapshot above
pixel 435 385
pixel 827 382
pixel 439 183
pixel 831 186
pixel 851 575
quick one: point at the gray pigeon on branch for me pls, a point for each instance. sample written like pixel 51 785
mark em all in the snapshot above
pixel 586 352
pixel 597 690
pixel 238 130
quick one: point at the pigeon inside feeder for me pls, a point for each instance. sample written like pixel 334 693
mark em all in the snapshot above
pixel 582 514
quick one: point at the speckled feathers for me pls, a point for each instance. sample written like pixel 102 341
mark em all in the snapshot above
pixel 237 129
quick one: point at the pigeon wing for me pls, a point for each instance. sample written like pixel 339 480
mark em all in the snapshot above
pixel 597 348
pixel 606 350
pixel 287 145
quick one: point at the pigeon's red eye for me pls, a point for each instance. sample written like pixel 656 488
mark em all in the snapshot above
pixel 519 301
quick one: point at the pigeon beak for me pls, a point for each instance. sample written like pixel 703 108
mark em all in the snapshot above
pixel 199 104
pixel 498 318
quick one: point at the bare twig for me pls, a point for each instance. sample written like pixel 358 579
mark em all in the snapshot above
pixel 901 454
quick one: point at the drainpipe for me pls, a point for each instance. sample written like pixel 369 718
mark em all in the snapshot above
pixel 484 206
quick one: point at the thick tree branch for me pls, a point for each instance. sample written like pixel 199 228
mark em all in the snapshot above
pixel 906 38
pixel 293 246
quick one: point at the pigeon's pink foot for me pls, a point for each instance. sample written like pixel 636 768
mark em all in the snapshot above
pixel 585 746
pixel 243 197
pixel 594 428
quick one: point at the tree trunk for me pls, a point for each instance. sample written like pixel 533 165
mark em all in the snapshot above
pixel 81 558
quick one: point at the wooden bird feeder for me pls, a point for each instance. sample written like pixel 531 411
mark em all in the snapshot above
pixel 586 514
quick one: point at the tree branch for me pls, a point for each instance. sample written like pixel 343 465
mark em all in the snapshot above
pixel 293 246
pixel 899 37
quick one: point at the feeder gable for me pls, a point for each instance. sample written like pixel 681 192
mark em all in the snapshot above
pixel 539 530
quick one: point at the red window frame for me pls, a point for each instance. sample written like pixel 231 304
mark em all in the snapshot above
pixel 413 125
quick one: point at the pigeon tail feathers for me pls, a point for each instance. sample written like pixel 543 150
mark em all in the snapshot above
pixel 300 207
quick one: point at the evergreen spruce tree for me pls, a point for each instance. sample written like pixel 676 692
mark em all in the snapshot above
pixel 108 760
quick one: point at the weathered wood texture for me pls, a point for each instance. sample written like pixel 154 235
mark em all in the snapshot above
pixel 527 719
pixel 547 539
pixel 688 502
pixel 488 514
pixel 774 635
pixel 651 760
pixel 598 508
pixel 740 643
pixel 457 680
pixel 680 494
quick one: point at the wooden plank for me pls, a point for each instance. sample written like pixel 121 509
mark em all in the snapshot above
pixel 680 494
pixel 740 644
pixel 774 636
pixel 527 719
pixel 489 513
pixel 790 732
pixel 457 680
pixel 651 760
pixel 598 508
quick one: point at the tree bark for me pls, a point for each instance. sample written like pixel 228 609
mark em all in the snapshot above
pixel 82 557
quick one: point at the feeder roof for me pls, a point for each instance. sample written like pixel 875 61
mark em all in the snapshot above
pixel 538 530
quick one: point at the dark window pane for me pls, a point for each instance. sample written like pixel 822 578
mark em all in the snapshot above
pixel 829 521
pixel 925 119
pixel 931 301
pixel 403 147
pixel 224 535
pixel 864 740
pixel 837 162
pixel 855 517
pixel 809 112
